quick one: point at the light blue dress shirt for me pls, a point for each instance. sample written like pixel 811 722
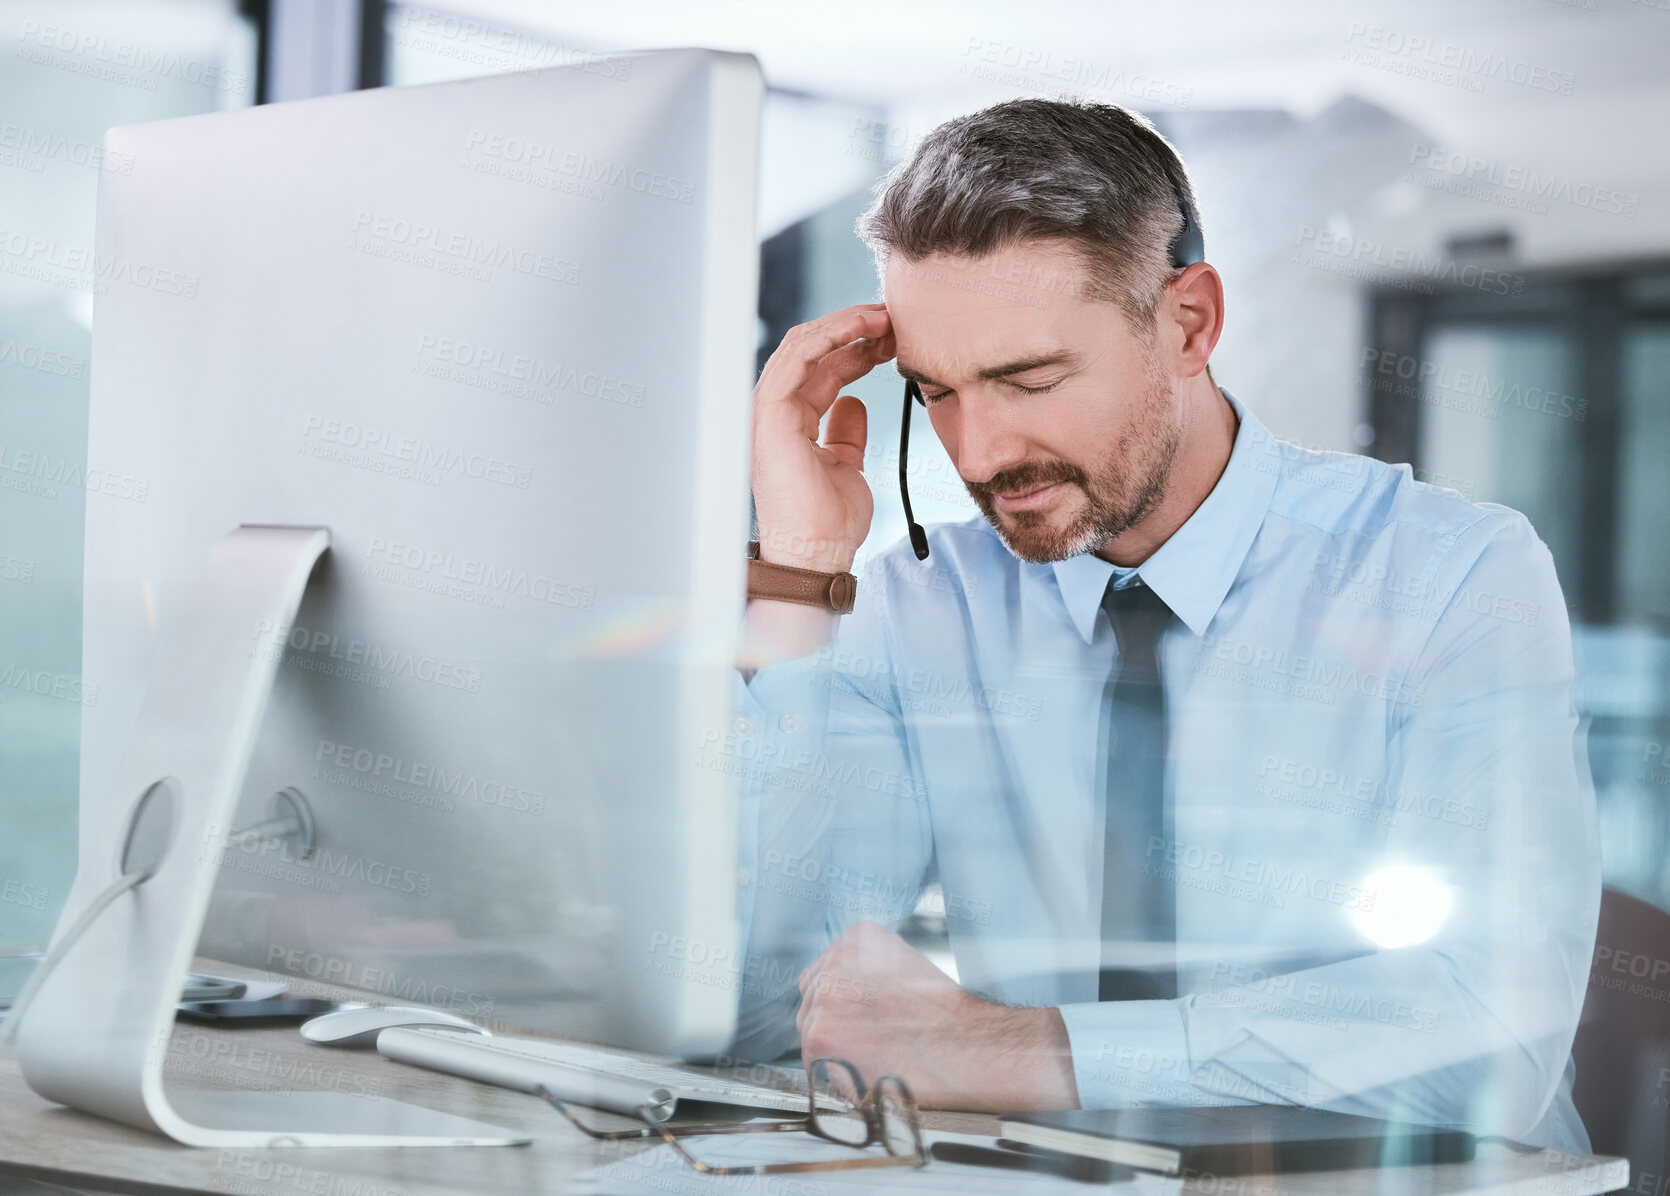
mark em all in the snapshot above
pixel 1385 852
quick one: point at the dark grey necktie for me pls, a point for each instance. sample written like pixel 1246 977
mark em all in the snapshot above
pixel 1138 893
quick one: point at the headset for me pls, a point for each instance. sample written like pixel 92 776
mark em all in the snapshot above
pixel 1187 248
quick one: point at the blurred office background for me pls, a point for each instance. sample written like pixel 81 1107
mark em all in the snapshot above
pixel 1445 233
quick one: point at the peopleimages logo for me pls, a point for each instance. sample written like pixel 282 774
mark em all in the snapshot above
pixel 998 61
pixel 387 555
pixel 21 144
pixel 1316 677
pixel 77 267
pixel 425 775
pixel 1537 187
pixel 468 40
pixel 1272 882
pixel 16 568
pixel 17 892
pixel 331 969
pixel 319 869
pixel 1280 775
pixel 368 654
pixel 38 473
pixel 584 169
pixel 1448 62
pixel 1401 263
pixel 366 445
pixel 40 358
pixel 41 42
pixel 521 375
pixel 64 687
pixel 1441 383
pixel 466 249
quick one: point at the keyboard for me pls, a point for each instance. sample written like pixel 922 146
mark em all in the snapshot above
pixel 523 1063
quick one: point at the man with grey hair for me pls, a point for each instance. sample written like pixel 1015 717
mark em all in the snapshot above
pixel 1246 773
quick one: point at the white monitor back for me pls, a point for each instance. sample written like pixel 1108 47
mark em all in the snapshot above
pixel 497 335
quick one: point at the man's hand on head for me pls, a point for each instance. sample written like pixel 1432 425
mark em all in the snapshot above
pixel 811 501
pixel 878 1003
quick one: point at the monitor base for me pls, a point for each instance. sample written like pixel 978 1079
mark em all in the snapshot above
pixel 96 1041
pixel 265 1120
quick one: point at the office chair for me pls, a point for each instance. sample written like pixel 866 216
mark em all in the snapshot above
pixel 1622 1049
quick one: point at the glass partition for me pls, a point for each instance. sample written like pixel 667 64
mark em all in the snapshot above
pixel 71 72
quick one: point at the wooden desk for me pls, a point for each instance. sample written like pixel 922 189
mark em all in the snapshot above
pixel 49 1143
pixel 46 1142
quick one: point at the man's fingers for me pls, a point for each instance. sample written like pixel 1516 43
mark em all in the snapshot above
pixel 851 362
pixel 838 369
pixel 810 972
pixel 805 346
pixel 845 431
pixel 809 342
pixel 818 393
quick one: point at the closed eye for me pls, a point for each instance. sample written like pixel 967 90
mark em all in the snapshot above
pixel 930 397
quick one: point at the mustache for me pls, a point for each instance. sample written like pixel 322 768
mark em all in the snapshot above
pixel 1027 477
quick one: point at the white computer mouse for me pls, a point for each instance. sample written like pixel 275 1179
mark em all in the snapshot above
pixel 360 1027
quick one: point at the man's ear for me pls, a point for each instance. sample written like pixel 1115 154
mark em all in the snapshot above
pixel 1193 307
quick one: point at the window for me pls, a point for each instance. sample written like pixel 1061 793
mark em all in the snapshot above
pixel 72 71
pixel 1556 401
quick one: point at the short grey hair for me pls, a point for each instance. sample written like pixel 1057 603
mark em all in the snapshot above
pixel 1093 174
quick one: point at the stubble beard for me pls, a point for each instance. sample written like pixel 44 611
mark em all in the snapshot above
pixel 1121 494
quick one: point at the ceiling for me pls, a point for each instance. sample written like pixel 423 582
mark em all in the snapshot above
pixel 1579 87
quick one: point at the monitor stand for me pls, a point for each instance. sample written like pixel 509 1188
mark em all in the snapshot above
pixel 96 1036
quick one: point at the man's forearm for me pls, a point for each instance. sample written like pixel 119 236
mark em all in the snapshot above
pixel 1030 1048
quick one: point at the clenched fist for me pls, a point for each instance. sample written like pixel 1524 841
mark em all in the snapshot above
pixel 876 1002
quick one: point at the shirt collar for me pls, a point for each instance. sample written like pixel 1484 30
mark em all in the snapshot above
pixel 1193 570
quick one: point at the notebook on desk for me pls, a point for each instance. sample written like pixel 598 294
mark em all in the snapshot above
pixel 1237 1139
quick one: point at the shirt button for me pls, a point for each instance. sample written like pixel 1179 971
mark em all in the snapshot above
pixel 744 877
pixel 790 723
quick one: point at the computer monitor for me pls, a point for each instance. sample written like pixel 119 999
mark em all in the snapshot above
pixel 497 336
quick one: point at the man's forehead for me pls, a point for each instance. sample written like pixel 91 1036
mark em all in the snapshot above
pixel 989 310
pixel 992 361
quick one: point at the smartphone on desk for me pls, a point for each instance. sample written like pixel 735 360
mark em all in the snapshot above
pixel 275 1011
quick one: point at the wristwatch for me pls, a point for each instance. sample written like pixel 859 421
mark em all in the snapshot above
pixel 831 591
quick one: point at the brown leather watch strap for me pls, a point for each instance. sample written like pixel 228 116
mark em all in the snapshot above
pixel 832 591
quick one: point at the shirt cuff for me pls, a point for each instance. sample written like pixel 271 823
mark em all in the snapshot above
pixel 1128 1053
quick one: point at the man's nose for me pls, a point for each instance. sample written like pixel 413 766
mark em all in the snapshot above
pixel 987 443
